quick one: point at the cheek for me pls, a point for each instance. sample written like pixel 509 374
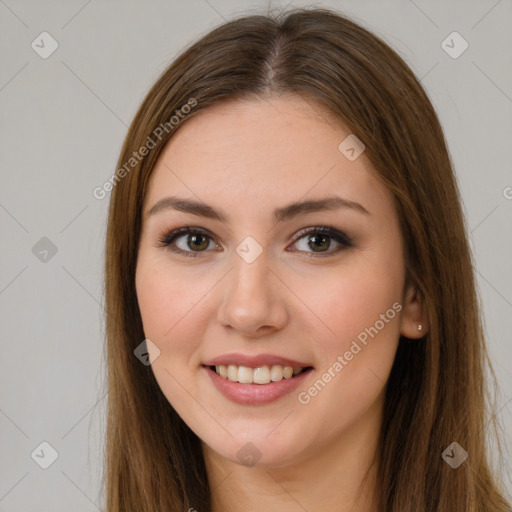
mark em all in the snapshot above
pixel 356 331
pixel 348 300
pixel 155 303
pixel 164 299
pixel 174 311
pixel 166 304
pixel 358 320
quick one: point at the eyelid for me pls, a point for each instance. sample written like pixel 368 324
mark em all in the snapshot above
pixel 324 229
pixel 168 237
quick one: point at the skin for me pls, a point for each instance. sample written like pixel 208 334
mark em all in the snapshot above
pixel 247 158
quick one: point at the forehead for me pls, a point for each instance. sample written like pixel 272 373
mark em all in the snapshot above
pixel 266 150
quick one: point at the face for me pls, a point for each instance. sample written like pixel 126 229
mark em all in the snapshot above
pixel 258 288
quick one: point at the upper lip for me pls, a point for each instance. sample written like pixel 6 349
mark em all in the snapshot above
pixel 254 361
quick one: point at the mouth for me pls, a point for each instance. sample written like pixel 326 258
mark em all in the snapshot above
pixel 261 375
pixel 257 385
pixel 256 379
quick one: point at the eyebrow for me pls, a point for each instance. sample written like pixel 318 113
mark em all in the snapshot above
pixel 280 214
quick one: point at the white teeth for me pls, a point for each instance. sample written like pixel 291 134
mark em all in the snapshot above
pixel 233 373
pixel 287 372
pixel 245 375
pixel 260 375
pixel 276 373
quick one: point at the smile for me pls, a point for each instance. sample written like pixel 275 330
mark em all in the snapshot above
pixel 252 393
pixel 260 375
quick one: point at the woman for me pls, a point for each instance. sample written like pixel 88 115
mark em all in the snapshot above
pixel 292 321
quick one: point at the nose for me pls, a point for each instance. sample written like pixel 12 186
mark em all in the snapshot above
pixel 253 299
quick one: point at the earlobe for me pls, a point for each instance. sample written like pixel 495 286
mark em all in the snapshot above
pixel 414 322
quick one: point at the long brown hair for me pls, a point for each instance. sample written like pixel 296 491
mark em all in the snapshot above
pixel 438 389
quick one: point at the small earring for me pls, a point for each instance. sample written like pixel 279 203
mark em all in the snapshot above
pixel 420 327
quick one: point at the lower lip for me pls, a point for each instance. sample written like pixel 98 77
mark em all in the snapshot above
pixel 255 394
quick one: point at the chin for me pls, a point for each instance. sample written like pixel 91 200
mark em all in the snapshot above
pixel 259 451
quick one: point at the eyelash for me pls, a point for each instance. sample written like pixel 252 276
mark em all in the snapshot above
pixel 167 238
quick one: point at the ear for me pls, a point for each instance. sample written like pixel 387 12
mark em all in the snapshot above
pixel 414 314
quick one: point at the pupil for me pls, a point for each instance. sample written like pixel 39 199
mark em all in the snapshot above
pixel 195 241
pixel 316 240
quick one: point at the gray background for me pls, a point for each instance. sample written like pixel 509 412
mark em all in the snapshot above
pixel 62 124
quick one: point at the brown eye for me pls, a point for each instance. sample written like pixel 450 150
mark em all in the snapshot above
pixel 319 242
pixel 186 241
pixel 197 242
pixel 320 239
